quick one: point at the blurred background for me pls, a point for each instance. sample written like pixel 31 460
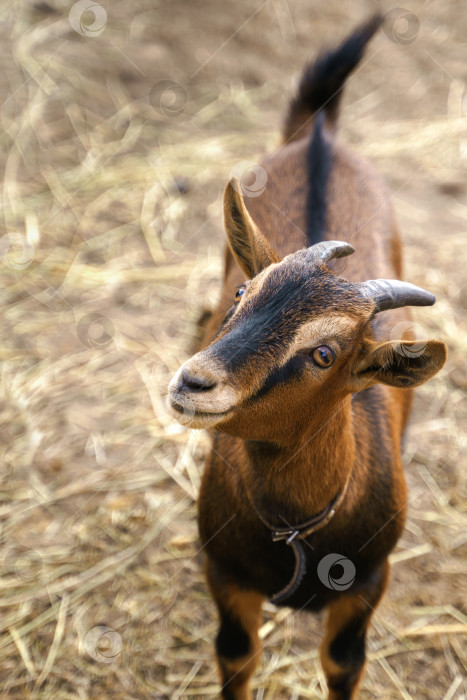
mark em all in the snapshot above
pixel 120 124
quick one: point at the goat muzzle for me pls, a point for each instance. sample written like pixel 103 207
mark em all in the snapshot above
pixel 200 394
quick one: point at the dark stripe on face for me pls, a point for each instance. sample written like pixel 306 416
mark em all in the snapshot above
pixel 265 325
pixel 292 369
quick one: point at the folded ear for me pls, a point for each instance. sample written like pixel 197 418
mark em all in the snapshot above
pixel 250 248
pixel 400 363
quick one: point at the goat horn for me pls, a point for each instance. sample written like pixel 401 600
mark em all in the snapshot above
pixel 392 294
pixel 327 250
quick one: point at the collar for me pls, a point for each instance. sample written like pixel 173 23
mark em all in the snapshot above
pixel 293 535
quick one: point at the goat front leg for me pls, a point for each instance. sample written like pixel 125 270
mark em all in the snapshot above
pixel 343 647
pixel 238 646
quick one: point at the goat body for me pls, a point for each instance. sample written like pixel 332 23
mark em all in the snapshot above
pixel 306 396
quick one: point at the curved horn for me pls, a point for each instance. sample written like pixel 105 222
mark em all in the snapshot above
pixel 327 250
pixel 392 294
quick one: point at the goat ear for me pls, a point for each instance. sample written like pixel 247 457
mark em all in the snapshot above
pixel 250 248
pixel 400 363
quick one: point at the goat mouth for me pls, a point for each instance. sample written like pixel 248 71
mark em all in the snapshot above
pixel 191 417
pixel 187 410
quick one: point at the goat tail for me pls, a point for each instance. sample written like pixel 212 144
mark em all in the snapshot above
pixel 322 82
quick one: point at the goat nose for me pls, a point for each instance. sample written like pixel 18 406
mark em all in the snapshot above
pixel 192 383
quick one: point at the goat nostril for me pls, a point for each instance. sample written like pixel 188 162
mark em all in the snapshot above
pixel 196 383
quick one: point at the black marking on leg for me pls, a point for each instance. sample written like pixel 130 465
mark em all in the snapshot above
pixel 227 694
pixel 347 649
pixel 232 641
pixel 343 685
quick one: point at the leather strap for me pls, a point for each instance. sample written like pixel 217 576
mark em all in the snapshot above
pixel 293 535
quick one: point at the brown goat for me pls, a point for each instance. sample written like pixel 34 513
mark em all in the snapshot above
pixel 304 497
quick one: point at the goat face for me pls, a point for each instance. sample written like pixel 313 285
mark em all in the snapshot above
pixel 295 342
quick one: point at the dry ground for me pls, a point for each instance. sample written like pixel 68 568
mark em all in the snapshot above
pixel 111 208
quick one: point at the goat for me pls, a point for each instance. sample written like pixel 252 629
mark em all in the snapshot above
pixel 303 496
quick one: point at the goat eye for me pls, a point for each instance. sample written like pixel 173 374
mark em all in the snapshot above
pixel 323 356
pixel 239 293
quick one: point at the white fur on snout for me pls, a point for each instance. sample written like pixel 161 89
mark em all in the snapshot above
pixel 204 408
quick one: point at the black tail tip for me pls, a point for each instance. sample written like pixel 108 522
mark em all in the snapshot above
pixel 322 81
pixel 371 26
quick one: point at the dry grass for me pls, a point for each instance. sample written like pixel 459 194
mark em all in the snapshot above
pixel 100 292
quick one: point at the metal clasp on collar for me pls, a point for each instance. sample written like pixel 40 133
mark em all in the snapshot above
pixel 287 535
